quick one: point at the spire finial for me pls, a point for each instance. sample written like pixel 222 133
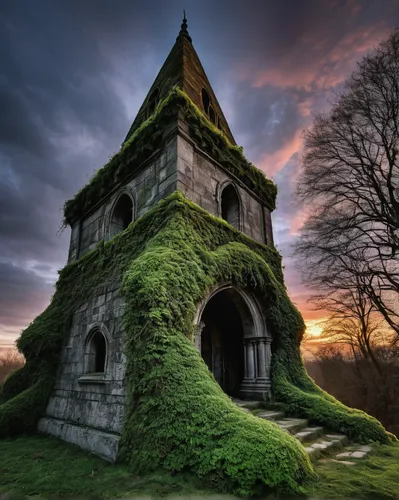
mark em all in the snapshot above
pixel 183 31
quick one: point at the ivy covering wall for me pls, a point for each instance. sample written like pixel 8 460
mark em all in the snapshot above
pixel 177 416
pixel 150 137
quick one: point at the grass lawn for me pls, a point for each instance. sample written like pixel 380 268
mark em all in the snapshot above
pixel 44 467
pixel 373 478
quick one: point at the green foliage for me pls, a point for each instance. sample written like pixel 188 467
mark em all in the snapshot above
pixel 177 416
pixel 150 136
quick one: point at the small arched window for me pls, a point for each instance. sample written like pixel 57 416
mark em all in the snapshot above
pixel 153 101
pixel 96 353
pixel 230 206
pixel 206 100
pixel 212 115
pixel 122 215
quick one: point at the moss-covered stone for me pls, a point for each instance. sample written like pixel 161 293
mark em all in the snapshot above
pixel 149 137
pixel 177 416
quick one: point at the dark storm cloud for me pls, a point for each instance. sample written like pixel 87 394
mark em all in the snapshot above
pixel 22 294
pixel 74 73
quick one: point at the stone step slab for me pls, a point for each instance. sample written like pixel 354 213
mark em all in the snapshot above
pixel 359 452
pixel 309 433
pixel 326 444
pixel 271 415
pixel 251 405
pixel 340 439
pixel 292 425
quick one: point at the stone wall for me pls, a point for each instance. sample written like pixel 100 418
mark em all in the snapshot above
pixel 183 166
pixel 85 409
pixel 201 180
pixel 153 182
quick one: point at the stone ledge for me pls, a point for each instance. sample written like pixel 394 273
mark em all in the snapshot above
pixel 92 378
pixel 101 443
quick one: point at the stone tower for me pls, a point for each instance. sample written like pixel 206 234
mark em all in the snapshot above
pixel 173 301
pixel 88 403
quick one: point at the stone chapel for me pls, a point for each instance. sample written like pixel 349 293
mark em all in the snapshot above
pixel 231 333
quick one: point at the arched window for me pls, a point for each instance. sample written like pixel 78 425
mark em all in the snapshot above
pixel 206 100
pixel 212 116
pixel 122 215
pixel 153 101
pixel 96 353
pixel 230 206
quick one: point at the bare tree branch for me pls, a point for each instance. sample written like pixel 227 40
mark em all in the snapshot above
pixel 350 183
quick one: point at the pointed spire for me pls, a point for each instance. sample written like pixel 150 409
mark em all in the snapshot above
pixel 183 30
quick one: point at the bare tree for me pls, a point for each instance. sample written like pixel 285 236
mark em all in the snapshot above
pixel 350 181
pixel 353 323
pixel 10 360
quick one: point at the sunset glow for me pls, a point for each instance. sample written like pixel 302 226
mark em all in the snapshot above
pixel 314 327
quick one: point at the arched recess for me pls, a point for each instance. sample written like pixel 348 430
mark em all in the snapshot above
pixel 96 348
pixel 206 100
pixel 121 214
pixel 230 205
pixel 212 115
pixel 232 337
pixel 153 102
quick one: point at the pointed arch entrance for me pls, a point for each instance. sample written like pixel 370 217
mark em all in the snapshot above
pixel 232 338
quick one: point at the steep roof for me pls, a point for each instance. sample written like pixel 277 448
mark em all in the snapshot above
pixel 183 68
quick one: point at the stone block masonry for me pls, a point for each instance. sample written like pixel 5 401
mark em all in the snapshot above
pixel 88 409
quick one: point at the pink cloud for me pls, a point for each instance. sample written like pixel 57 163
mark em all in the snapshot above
pixel 297 221
pixel 325 69
pixel 271 163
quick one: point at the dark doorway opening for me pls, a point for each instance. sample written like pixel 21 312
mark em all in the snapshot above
pixel 222 339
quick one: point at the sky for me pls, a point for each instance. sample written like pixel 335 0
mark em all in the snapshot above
pixel 73 74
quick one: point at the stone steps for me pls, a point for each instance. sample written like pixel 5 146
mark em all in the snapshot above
pixel 326 444
pixel 315 440
pixel 319 444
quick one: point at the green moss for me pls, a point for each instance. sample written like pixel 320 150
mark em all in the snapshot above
pixel 46 468
pixel 150 136
pixel 374 477
pixel 177 416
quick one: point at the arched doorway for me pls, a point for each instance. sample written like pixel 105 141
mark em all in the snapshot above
pixel 232 338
